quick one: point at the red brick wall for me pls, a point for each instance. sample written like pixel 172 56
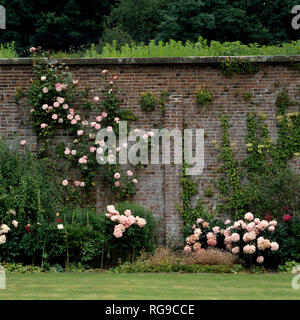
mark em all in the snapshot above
pixel 158 187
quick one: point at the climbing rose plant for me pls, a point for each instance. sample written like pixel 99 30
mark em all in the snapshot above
pixel 56 102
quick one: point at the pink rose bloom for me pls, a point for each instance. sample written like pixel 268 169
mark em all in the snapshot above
pixel 58 87
pixel 271 228
pixel 127 212
pixel 199 220
pixel 97 126
pixel 135 181
pixel 109 129
pixel 257 220
pixel 92 149
pixel 117 175
pixel 77 183
pixel 32 110
pixel 104 72
pixel 60 100
pixel 93 124
pixel 260 259
pixel 198 231
pixel 235 237
pixel 45 90
pixel 118 149
pixel 118 233
pixel 187 249
pixel 65 106
pixel 50 108
pixel 111 83
pixel 104 114
pixel 69 116
pixel 77 117
pixel 273 223
pixel 236 225
pixel 117 184
pixel 32 49
pixel 141 222
pixel 211 242
pixel 67 151
pixel 115 77
pixel 44 106
pixel 80 132
pixel 252 235
pixel 73 152
pixel 129 173
pixel 54 116
pixel 56 104
pixel 235 250
pixel 274 246
pixel 85 123
pixel 60 120
pixel 75 81
pixel 73 121
pixel 99 119
pixel 249 216
pixel 111 209
pixel 82 184
pixel 229 246
pixel 43 78
pixel 71 111
pixel 65 183
pixel 96 99
pixel 227 222
pixel 23 142
pixel 44 125
pixel 216 229
pixel 116 120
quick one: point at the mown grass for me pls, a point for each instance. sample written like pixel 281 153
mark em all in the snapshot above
pixel 106 286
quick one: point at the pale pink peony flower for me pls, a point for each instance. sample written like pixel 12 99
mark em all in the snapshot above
pixel 198 231
pixel 249 249
pixel 65 183
pixel 216 229
pixel 260 259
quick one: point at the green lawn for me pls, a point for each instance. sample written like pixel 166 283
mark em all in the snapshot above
pixel 148 286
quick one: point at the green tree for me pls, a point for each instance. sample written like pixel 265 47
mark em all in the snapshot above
pixel 138 18
pixel 55 24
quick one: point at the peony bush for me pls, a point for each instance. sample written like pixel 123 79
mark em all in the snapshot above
pixel 251 239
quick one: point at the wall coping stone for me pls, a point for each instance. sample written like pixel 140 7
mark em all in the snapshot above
pixel 153 61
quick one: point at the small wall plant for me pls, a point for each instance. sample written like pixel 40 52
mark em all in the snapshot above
pixel 203 96
pixel 148 101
